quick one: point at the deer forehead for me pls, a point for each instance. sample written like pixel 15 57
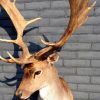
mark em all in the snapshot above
pixel 36 65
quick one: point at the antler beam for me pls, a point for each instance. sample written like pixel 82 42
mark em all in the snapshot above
pixel 20 23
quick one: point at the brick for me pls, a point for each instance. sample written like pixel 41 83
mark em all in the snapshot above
pixel 68 55
pixel 77 79
pixel 6 46
pixel 32 32
pixel 43 22
pixel 87 38
pixel 80 95
pixel 97 11
pixel 53 30
pixel 1 84
pixel 89 55
pixel 34 42
pixel 95 63
pixel 5 55
pixel 1 68
pixel 66 71
pixel 8 96
pixel 77 46
pixel 88 71
pixel 30 14
pixel 37 5
pixel 74 39
pixel 9 75
pixel 96 46
pixel 52 13
pixel 84 38
pixel 20 6
pixel 95 80
pixel 8 37
pixel 85 29
pixel 97 29
pixel 59 21
pixel 2 75
pixel 73 86
pixel 76 63
pixel 6 90
pixel 1 97
pixel 59 63
pixel 59 4
pixel 94 96
pixel 22 1
pixel 93 20
pixel 2 31
pixel 89 88
pixel 9 68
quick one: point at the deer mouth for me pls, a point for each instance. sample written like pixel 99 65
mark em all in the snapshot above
pixel 24 97
pixel 23 94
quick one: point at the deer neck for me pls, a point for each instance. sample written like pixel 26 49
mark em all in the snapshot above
pixel 53 91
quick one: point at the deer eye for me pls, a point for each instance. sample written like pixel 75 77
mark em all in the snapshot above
pixel 37 72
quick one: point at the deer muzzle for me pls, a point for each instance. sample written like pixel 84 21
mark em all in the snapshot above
pixel 23 94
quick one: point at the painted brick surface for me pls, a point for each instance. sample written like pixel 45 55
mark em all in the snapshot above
pixel 80 57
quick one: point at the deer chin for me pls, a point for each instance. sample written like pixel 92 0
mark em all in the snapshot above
pixel 23 97
pixel 26 95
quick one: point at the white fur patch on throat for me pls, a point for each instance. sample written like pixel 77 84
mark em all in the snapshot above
pixel 44 92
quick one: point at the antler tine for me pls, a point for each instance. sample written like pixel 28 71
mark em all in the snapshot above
pixel 6 60
pixel 19 61
pixel 20 23
pixel 33 20
pixel 9 41
pixel 3 59
pixel 79 14
pixel 81 19
pixel 14 1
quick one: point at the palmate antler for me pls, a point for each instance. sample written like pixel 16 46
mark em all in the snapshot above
pixel 79 14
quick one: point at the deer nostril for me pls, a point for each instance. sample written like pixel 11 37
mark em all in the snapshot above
pixel 19 93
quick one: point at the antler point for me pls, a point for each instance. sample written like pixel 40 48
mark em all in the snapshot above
pixel 93 4
pixel 43 41
pixel 3 59
pixel 33 20
pixel 11 56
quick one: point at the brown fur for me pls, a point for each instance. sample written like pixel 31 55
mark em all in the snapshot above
pixel 66 87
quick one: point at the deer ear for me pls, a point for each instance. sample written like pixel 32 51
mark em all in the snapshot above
pixel 53 58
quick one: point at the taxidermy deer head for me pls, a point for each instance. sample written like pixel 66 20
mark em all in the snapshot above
pixel 39 71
